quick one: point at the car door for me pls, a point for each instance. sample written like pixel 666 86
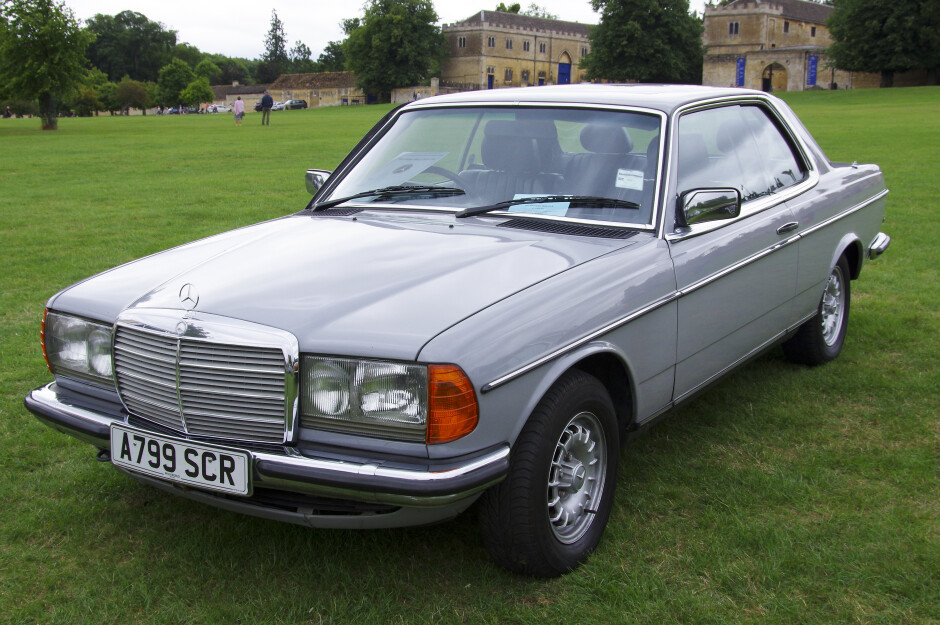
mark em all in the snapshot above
pixel 736 274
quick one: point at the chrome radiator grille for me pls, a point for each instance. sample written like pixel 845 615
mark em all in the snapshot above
pixel 203 388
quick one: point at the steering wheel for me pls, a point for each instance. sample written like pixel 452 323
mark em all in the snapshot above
pixel 450 175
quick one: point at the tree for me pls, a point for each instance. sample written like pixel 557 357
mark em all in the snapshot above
pixel 300 59
pixel 333 57
pixel 86 101
pixel 197 92
pixel 175 77
pixel 275 43
pixel 129 44
pixel 885 37
pixel 535 10
pixel 132 94
pixel 42 53
pixel 646 41
pixel 208 70
pixel 512 8
pixel 397 45
pixel 188 53
pixel 106 97
pixel 233 70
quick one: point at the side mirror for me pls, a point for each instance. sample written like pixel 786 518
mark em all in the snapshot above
pixel 315 178
pixel 700 205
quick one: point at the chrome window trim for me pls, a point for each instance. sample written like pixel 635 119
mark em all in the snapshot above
pixel 658 202
pixel 677 295
pixel 754 206
pixel 201 327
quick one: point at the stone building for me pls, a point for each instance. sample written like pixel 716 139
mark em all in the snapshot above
pixel 321 89
pixel 227 94
pixel 493 49
pixel 777 45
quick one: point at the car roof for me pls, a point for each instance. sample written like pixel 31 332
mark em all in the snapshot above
pixel 666 98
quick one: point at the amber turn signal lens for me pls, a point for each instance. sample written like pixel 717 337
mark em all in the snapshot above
pixel 452 404
pixel 42 339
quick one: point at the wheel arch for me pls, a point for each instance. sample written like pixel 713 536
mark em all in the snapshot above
pixel 605 362
pixel 851 247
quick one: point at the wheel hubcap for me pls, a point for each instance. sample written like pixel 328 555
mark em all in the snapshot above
pixel 576 477
pixel 833 307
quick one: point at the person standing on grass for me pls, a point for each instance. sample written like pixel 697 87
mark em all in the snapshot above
pixel 266 103
pixel 239 108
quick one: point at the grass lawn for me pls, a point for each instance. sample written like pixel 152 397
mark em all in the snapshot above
pixel 783 495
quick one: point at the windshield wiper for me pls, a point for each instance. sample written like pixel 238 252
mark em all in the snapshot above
pixel 391 192
pixel 575 201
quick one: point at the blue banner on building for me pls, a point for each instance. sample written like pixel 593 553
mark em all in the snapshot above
pixel 739 74
pixel 812 63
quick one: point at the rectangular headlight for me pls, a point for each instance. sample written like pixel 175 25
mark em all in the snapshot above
pixel 386 399
pixel 78 348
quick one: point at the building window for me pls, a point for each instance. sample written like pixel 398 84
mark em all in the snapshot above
pixel 490 70
pixel 508 76
pixel 509 44
pixel 812 31
pixel 461 42
pixel 525 75
pixel 734 28
pixel 542 48
pixel 525 46
pixel 786 27
pixel 491 42
pixel 583 52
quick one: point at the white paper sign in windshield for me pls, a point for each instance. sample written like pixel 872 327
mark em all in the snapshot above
pixel 403 168
pixel 554 209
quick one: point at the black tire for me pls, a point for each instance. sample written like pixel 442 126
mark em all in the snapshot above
pixel 820 339
pixel 548 477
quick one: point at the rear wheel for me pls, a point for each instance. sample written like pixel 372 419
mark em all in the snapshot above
pixel 548 515
pixel 820 339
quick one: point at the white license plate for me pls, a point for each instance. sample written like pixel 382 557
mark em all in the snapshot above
pixel 203 466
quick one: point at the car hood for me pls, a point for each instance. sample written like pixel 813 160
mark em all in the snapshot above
pixel 375 284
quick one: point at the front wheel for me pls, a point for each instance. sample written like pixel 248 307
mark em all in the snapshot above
pixel 820 339
pixel 549 513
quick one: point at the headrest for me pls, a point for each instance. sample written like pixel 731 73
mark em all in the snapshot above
pixel 506 153
pixel 606 139
pixel 529 128
pixel 514 145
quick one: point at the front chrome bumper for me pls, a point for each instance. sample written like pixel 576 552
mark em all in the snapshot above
pixel 417 484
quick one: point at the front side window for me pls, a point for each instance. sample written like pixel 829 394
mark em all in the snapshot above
pixel 491 42
pixel 735 146
pixel 470 157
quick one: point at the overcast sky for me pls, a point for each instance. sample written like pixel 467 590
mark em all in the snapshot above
pixel 236 28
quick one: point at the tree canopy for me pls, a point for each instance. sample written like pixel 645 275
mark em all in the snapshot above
pixel 397 44
pixel 197 92
pixel 129 44
pixel 42 53
pixel 646 41
pixel 533 10
pixel 333 57
pixel 175 77
pixel 132 94
pixel 885 37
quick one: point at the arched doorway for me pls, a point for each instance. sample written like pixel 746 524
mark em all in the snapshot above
pixel 774 78
pixel 564 69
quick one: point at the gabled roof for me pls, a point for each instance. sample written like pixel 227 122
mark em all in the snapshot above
pixel 499 18
pixel 320 80
pixel 797 10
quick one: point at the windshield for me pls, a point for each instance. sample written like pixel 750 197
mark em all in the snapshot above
pixel 497 155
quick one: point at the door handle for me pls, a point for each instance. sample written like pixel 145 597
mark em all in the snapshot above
pixel 788 227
